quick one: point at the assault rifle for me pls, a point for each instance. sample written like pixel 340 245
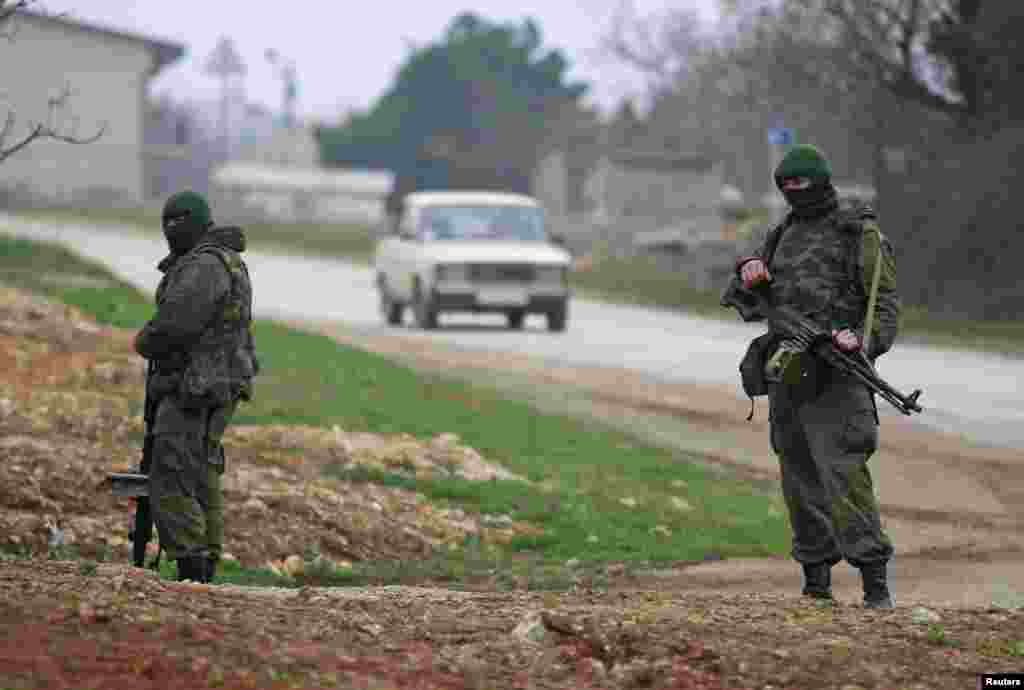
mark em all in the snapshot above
pixel 789 324
pixel 136 485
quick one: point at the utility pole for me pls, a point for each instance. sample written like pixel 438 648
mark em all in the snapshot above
pixel 224 63
pixel 286 71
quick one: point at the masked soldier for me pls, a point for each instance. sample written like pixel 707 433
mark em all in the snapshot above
pixel 821 261
pixel 201 347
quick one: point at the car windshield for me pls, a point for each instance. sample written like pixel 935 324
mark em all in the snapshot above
pixel 517 223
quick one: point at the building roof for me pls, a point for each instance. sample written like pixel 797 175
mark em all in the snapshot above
pixel 284 178
pixel 447 197
pixel 164 51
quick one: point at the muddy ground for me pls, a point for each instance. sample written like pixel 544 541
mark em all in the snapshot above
pixel 68 414
pixel 120 627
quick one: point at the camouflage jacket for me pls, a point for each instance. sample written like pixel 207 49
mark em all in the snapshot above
pixel 200 337
pixel 824 267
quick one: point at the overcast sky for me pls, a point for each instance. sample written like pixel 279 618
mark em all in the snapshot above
pixel 347 52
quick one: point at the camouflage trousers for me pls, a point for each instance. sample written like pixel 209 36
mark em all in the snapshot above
pixel 185 479
pixel 823 442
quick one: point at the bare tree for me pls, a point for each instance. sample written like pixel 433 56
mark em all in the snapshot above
pixel 953 57
pixel 662 45
pixel 59 124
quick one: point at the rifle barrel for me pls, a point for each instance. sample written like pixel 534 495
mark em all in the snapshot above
pixel 796 326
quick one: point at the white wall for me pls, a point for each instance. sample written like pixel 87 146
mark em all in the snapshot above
pixel 107 76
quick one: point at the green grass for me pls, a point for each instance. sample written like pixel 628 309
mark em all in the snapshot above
pixel 353 241
pixel 585 470
pixel 40 268
pixel 311 379
pixel 640 280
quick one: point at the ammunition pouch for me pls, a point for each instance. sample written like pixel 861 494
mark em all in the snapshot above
pixel 164 384
pixel 752 366
pixel 192 391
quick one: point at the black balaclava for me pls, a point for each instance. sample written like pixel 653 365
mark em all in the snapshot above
pixel 807 161
pixel 186 218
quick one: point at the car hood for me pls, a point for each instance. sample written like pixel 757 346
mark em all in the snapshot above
pixel 439 251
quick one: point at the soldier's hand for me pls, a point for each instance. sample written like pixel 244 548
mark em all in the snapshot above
pixel 846 340
pixel 754 272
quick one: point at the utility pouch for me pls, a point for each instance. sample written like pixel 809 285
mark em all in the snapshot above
pixel 204 383
pixel 164 384
pixel 752 366
pixel 786 365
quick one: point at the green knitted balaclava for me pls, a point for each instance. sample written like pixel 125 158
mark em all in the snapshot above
pixel 807 161
pixel 186 218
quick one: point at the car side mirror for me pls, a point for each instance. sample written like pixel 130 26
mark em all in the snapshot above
pixel 558 240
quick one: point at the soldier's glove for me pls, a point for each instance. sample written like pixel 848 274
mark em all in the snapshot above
pixel 846 340
pixel 753 271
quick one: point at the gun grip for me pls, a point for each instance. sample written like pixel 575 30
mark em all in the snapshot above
pixel 912 399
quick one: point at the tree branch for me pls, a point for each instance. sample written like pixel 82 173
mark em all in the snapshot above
pixel 49 130
pixel 6 14
pixel 661 54
pixel 7 11
pixel 870 29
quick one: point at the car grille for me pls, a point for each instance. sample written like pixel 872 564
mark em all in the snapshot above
pixel 502 273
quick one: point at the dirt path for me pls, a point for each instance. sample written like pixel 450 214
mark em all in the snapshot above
pixel 116 627
pixel 955 509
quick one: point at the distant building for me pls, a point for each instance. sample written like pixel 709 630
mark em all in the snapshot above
pixel 108 72
pixel 264 139
pixel 627 184
pixel 618 183
pixel 258 191
pixel 180 153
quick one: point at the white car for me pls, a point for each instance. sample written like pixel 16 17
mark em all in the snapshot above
pixel 471 251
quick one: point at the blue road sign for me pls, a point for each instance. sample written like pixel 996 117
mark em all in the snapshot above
pixel 780 135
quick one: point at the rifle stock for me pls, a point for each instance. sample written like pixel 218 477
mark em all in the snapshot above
pixel 142 524
pixel 790 324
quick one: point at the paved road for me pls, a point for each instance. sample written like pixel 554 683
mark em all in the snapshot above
pixel 978 395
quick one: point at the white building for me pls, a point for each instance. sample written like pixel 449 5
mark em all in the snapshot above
pixel 301 194
pixel 107 73
pixel 269 142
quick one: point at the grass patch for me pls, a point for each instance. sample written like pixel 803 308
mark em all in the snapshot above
pixel 597 494
pixel 37 266
pixel 353 241
pixel 640 280
pixel 460 568
pixel 311 379
pixel 992 336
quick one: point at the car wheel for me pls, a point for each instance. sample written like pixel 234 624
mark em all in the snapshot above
pixel 391 310
pixel 424 309
pixel 516 317
pixel 558 317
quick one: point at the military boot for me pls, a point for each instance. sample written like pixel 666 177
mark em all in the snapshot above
pixel 193 568
pixel 818 580
pixel 211 568
pixel 876 588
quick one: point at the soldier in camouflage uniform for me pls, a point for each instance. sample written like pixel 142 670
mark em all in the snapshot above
pixel 824 426
pixel 201 346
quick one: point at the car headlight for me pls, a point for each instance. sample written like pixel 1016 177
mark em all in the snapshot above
pixel 455 273
pixel 551 275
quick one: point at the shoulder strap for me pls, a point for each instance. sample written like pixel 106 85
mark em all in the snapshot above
pixel 225 261
pixel 774 236
pixel 853 219
pixel 221 254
